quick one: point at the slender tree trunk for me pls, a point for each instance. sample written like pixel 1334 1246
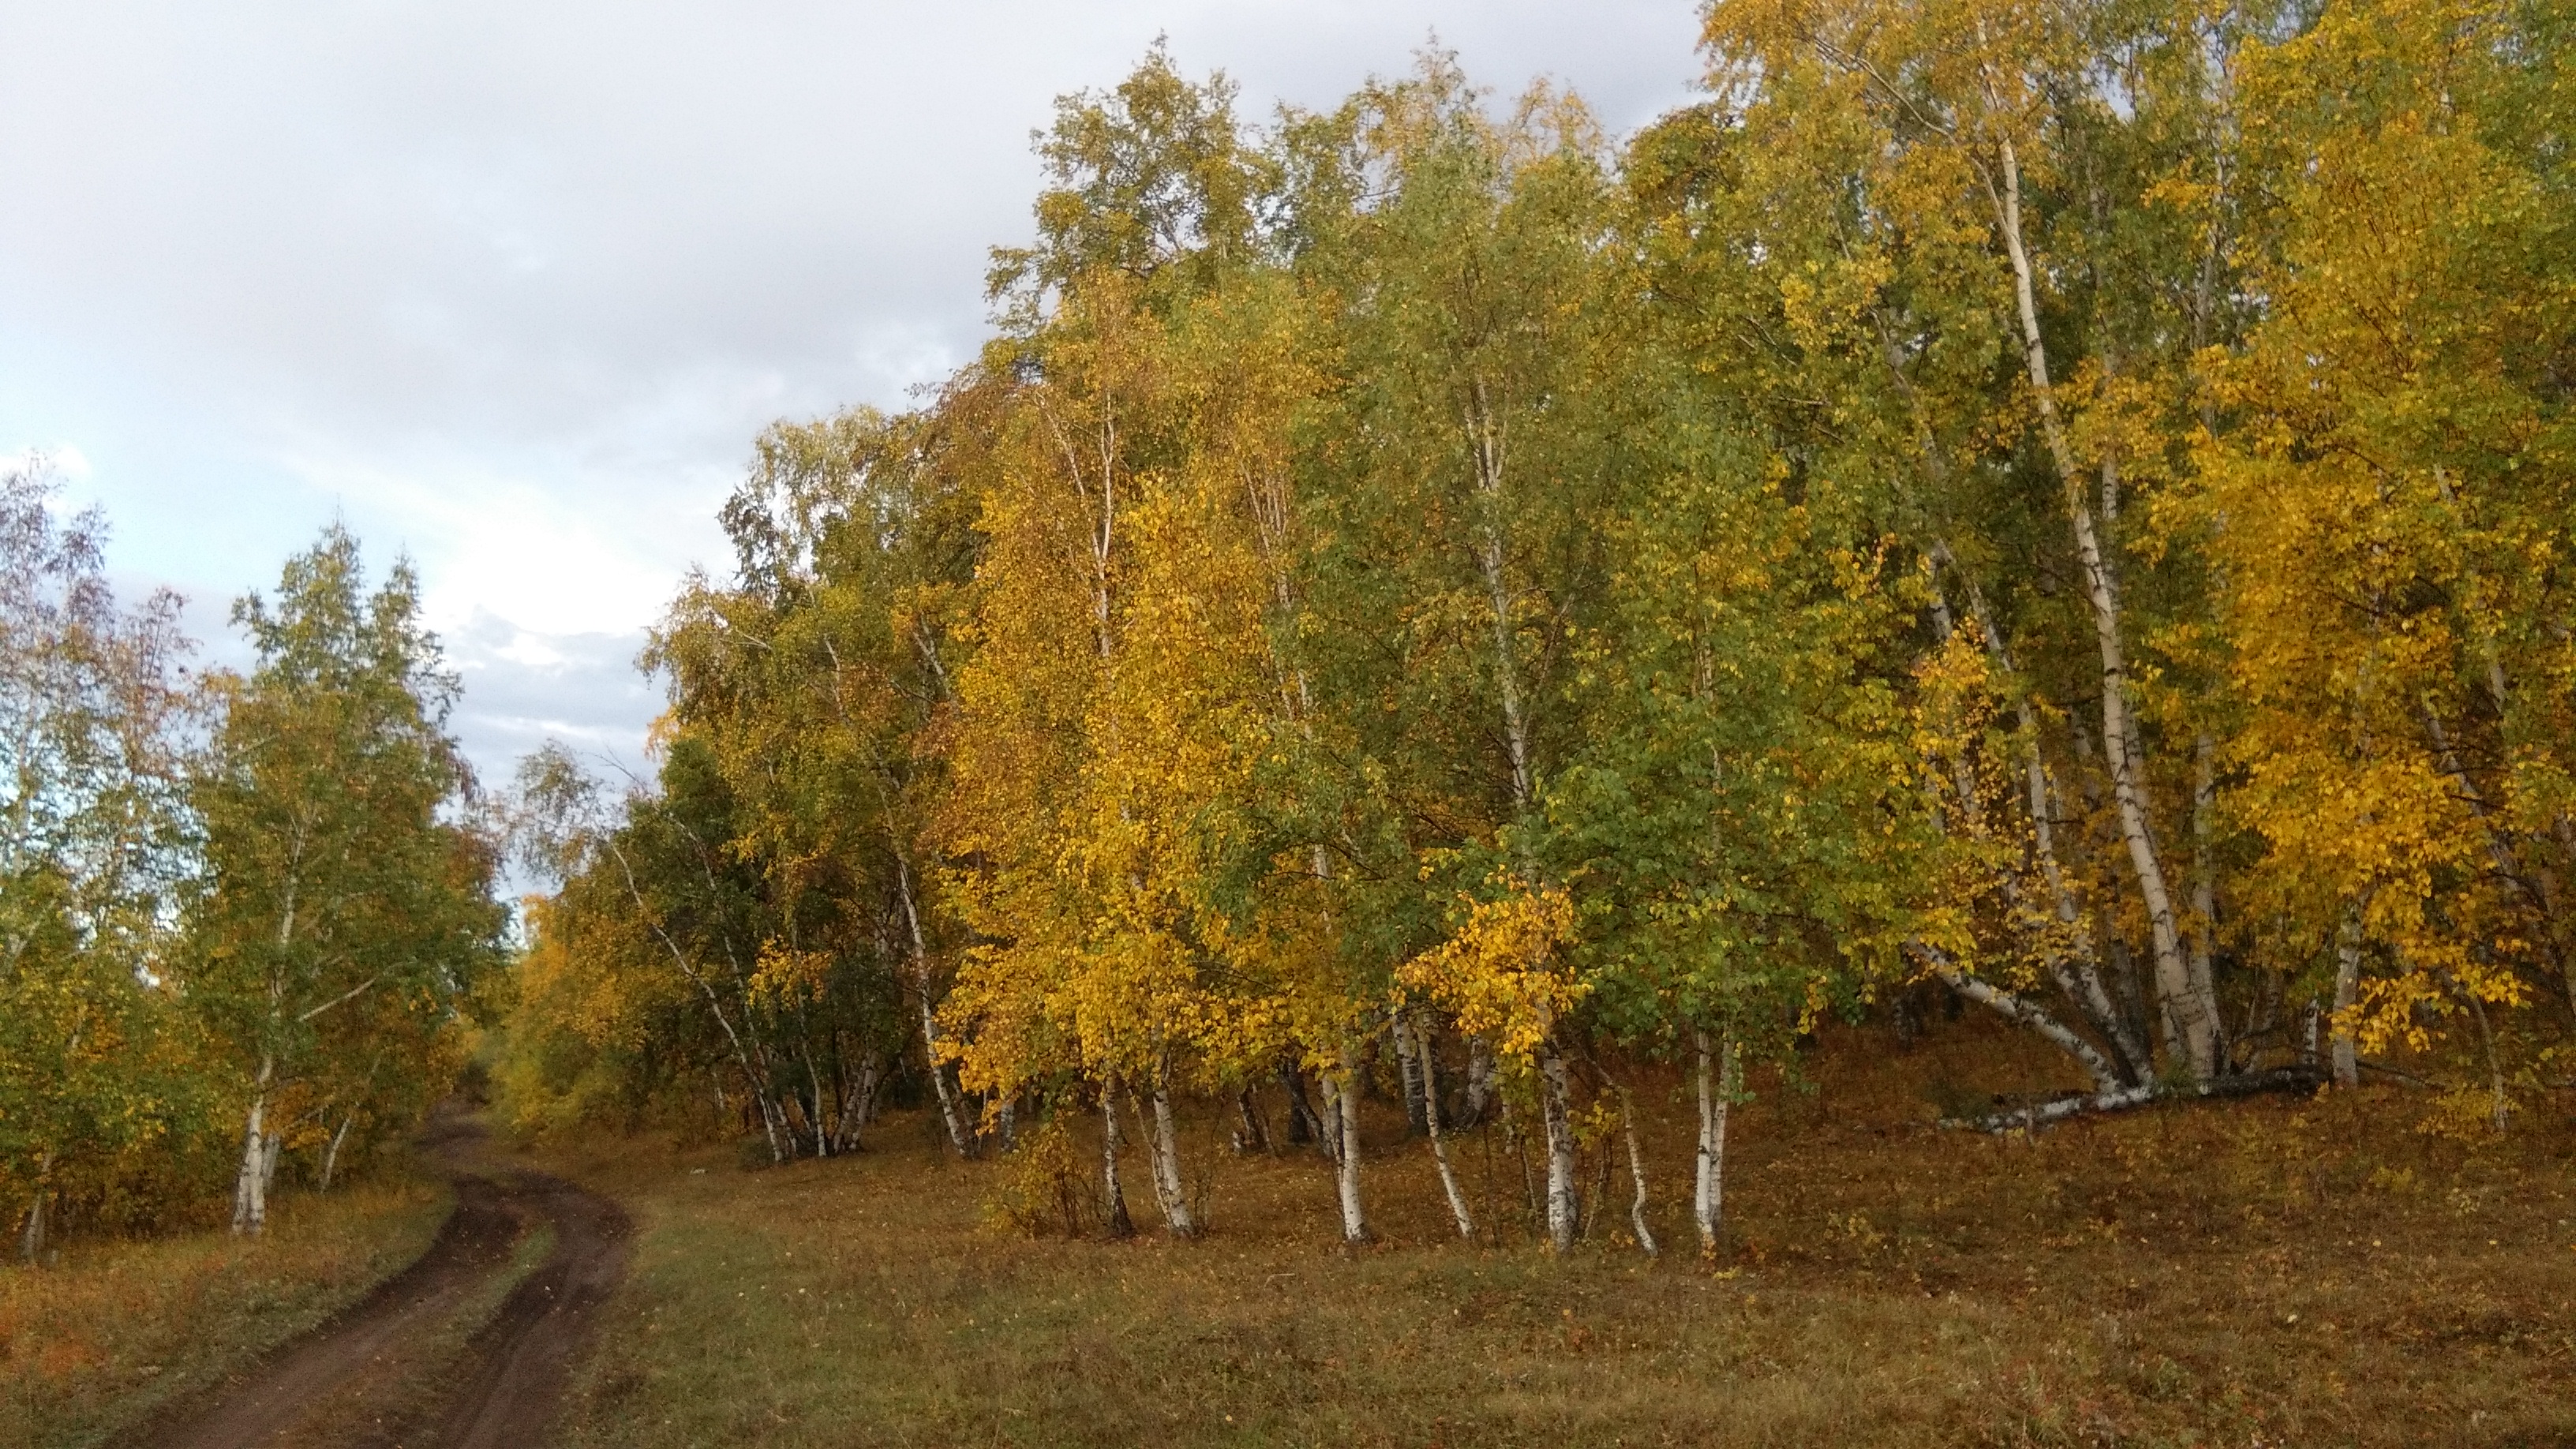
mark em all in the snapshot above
pixel 1171 1193
pixel 1556 1102
pixel 270 1148
pixel 2080 978
pixel 1440 1141
pixel 1346 1104
pixel 1636 1175
pixel 1304 1127
pixel 1478 1098
pixel 872 1078
pixel 961 1138
pixel 250 1186
pixel 1408 1061
pixel 2347 1060
pixel 1113 1195
pixel 2204 868
pixel 2019 1010
pixel 1708 1189
pixel 31 1242
pixel 2190 1019
pixel 755 1072
pixel 331 1154
pixel 814 1094
pixel 2503 1108
pixel 1330 1135
pixel 1254 1134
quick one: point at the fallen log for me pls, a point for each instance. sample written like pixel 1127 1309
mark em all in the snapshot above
pixel 2301 1078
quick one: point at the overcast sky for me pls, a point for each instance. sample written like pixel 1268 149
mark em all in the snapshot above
pixel 511 287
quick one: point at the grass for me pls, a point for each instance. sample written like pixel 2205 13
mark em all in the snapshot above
pixel 2270 1271
pixel 97 1341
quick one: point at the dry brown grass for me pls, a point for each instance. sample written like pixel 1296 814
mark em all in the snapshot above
pixel 93 1344
pixel 2271 1271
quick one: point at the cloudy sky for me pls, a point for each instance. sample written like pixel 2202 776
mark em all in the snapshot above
pixel 511 286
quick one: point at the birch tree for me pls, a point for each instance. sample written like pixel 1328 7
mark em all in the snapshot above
pixel 92 853
pixel 345 902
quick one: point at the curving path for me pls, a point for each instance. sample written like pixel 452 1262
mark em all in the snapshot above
pixel 516 1365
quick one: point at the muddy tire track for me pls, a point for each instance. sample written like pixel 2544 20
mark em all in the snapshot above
pixel 510 1381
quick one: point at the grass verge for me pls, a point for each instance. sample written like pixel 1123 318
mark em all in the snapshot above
pixel 95 1343
pixel 2271 1271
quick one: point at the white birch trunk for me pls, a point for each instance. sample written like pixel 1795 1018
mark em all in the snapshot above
pixel 250 1185
pixel 2023 1012
pixel 331 1154
pixel 960 1137
pixel 2190 1019
pixel 269 1151
pixel 1636 1175
pixel 1408 1062
pixel 2347 1057
pixel 1708 1189
pixel 2080 979
pixel 1563 1197
pixel 1170 1192
pixel 31 1243
pixel 1440 1142
pixel 1329 1125
pixel 2204 866
pixel 1346 1111
pixel 1478 1098
pixel 1113 1194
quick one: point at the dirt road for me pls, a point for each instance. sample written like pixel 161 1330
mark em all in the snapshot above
pixel 365 1375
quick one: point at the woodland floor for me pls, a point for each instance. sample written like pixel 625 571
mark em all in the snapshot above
pixel 351 1325
pixel 2272 1271
pixel 117 1328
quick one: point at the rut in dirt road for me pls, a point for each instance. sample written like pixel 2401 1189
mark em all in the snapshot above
pixel 523 1359
pixel 516 1365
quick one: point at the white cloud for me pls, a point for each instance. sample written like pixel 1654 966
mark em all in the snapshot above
pixel 512 287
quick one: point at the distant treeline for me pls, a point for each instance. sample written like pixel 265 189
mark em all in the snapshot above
pixel 2065 505
pixel 239 912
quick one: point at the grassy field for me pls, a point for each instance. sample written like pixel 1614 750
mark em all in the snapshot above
pixel 2273 1271
pixel 96 1342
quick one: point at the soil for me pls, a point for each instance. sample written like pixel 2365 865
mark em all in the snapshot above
pixel 505 1386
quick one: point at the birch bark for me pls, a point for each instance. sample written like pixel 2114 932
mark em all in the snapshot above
pixel 1346 1104
pixel 1556 1106
pixel 1409 1069
pixel 951 1114
pixel 2347 994
pixel 1439 1141
pixel 1170 1192
pixel 31 1243
pixel 2189 1018
pixel 1113 1195
pixel 1708 1188
pixel 1636 1175
pixel 331 1155
pixel 250 1187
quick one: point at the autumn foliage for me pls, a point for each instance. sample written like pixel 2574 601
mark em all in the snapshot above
pixel 2059 508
